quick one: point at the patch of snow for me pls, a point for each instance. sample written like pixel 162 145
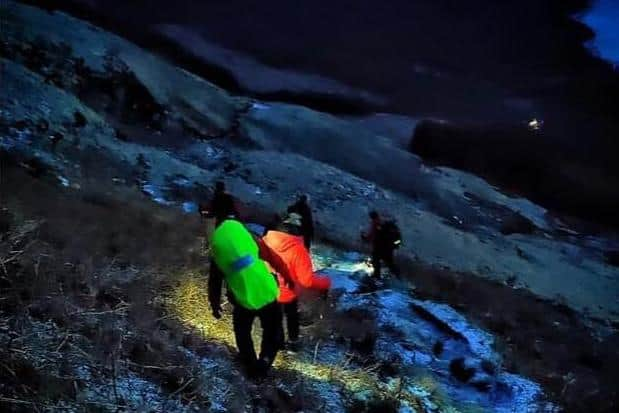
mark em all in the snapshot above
pixel 155 194
pixel 202 151
pixel 259 106
pixel 190 207
pixel 161 200
pixel 333 401
pixel 520 395
pixel 406 337
pixel 405 408
pixel 388 347
pixel 134 392
pixel 213 152
pixel 149 189
pixel 184 182
pixel 215 376
pixel 63 181
pixel 341 280
pixel 479 341
pixel 18 139
pixel 356 300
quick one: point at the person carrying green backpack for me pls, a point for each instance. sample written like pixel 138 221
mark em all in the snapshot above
pixel 245 263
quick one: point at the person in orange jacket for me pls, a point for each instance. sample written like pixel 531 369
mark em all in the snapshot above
pixel 287 242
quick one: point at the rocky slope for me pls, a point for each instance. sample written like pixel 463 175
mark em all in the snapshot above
pixel 94 113
pixel 449 218
pixel 92 321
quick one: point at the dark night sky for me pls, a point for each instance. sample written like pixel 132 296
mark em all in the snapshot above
pixel 485 47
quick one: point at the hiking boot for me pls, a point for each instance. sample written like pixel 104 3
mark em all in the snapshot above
pixel 260 369
pixel 293 346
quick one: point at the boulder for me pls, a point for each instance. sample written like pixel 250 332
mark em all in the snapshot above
pixel 478 373
pixel 488 367
pixel 612 257
pixel 359 328
pixel 79 120
pixel 482 382
pixel 438 348
pixel 462 369
pixel 517 224
pixel 531 163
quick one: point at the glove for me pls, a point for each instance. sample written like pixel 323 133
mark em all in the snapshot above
pixel 321 282
pixel 284 281
pixel 217 313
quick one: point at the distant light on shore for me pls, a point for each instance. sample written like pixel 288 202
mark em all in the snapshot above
pixel 535 124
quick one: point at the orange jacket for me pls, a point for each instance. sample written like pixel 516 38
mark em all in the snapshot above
pixel 293 253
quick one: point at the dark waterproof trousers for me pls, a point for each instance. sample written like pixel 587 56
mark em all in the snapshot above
pixel 385 255
pixel 307 241
pixel 291 311
pixel 272 335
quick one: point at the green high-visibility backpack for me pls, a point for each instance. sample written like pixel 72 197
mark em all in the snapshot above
pixel 237 255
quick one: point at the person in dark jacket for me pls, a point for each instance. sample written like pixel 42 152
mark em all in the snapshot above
pixel 384 243
pixel 246 263
pixel 302 208
pixel 286 241
pixel 222 206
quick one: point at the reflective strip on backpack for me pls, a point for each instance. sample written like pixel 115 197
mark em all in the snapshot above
pixel 241 263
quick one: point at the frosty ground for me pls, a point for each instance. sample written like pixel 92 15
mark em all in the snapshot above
pixel 92 125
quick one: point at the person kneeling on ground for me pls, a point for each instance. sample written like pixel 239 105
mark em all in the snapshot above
pixel 252 289
pixel 385 238
pixel 287 242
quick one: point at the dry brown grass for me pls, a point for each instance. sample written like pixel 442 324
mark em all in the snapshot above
pixel 130 307
pixel 189 302
pixel 68 301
